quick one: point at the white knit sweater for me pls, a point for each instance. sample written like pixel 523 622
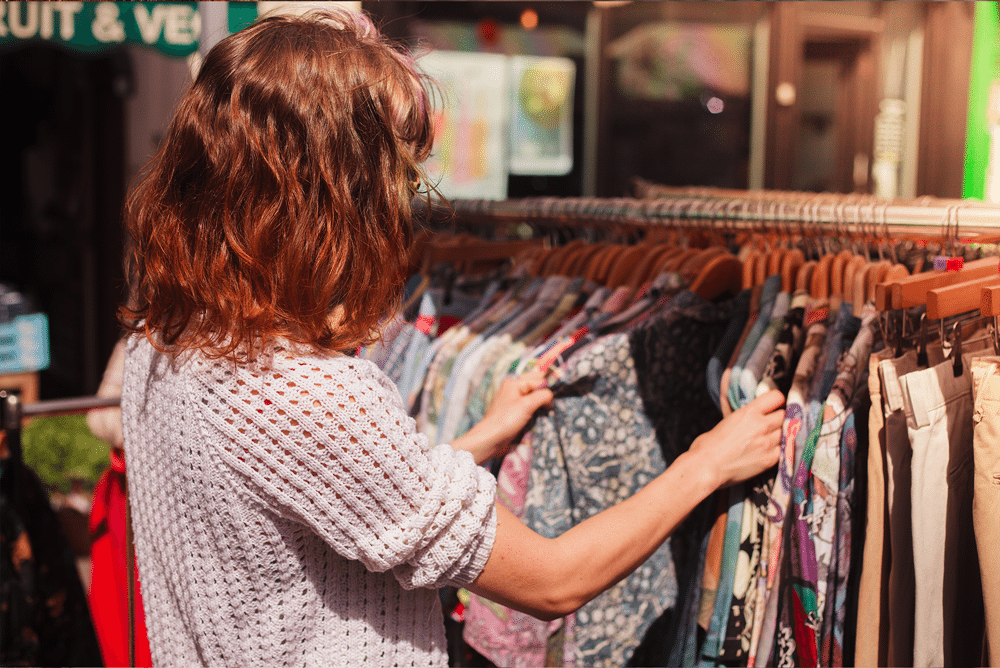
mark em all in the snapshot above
pixel 287 513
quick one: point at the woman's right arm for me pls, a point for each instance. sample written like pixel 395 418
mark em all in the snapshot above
pixel 551 577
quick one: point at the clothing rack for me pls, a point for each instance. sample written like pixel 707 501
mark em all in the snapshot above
pixel 14 410
pixel 732 210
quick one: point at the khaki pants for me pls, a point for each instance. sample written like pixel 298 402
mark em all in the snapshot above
pixel 986 501
pixel 872 635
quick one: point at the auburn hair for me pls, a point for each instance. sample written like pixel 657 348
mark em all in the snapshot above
pixel 279 204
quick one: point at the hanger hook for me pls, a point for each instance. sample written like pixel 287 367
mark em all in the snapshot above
pixel 957 236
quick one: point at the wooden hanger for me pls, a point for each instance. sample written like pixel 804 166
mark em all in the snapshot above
pixel 775 258
pixel 605 261
pixel 579 262
pixel 958 298
pixel 566 255
pixel 989 301
pixel 854 277
pixel 550 260
pixel 528 257
pixel 803 277
pixel 541 260
pixel 589 268
pixel 909 291
pixel 859 292
pixel 674 262
pixel 624 264
pixel 665 259
pixel 653 264
pixel 819 286
pixel 721 275
pixel 646 265
pixel 883 290
pixel 875 274
pixel 791 263
pixel 693 265
pixel 760 268
pixel 749 269
pixel 837 267
pixel 464 250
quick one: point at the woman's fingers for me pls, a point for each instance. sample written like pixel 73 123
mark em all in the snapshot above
pixel 768 402
pixel 774 420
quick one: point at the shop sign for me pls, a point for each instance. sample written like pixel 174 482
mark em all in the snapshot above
pixel 170 27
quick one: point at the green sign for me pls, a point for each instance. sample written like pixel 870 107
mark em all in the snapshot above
pixel 170 27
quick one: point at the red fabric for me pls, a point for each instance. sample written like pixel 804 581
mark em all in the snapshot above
pixel 805 636
pixel 446 322
pixel 108 587
pixel 425 324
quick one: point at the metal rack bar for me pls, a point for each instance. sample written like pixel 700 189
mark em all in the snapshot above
pixel 745 210
pixel 66 406
pixel 14 410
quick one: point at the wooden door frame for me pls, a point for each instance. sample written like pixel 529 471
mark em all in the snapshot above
pixel 944 97
pixel 792 29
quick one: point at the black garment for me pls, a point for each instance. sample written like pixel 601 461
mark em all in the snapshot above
pixel 671 353
pixel 44 618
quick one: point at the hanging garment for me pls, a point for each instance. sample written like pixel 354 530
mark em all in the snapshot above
pixel 730 340
pixel 748 588
pixel 723 640
pixel 781 497
pixel 433 405
pixel 769 294
pixel 108 585
pixel 426 325
pixel 778 374
pixel 595 447
pixel 830 483
pixel 845 355
pixel 387 352
pixel 871 631
pixel 702 581
pixel 837 647
pixel 898 485
pixel 45 620
pixel 756 364
pixel 798 618
pixel 504 636
pixel 948 595
pixel 780 368
pixel 986 500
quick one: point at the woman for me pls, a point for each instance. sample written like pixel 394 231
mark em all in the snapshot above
pixel 285 510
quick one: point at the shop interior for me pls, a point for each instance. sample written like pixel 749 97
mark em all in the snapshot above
pixel 845 151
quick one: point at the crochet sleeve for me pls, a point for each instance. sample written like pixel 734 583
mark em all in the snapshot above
pixel 328 443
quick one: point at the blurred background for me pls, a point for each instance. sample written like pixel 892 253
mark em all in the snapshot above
pixel 539 98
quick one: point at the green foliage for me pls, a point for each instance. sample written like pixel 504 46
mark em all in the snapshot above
pixel 61 449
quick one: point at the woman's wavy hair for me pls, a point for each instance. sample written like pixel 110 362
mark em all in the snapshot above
pixel 279 204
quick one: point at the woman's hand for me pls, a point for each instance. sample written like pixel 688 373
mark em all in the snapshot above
pixel 509 411
pixel 745 443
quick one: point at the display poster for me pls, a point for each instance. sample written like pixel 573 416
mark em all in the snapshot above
pixel 541 125
pixel 672 61
pixel 471 116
